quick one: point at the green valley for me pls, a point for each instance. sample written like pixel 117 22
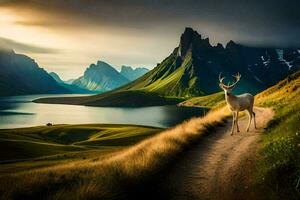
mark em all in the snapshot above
pixel 41 146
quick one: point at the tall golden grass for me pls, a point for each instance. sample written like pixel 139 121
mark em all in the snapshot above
pixel 117 177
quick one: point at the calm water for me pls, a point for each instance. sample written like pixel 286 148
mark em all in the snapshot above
pixel 19 111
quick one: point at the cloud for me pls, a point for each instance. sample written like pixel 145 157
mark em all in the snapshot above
pixel 35 23
pixel 273 21
pixel 6 43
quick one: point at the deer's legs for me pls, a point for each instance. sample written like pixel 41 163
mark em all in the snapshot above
pixel 237 120
pixel 233 122
pixel 254 119
pixel 250 118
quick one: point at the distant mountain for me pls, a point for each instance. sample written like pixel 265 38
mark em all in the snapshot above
pixel 56 77
pixel 70 81
pixel 100 77
pixel 132 74
pixel 21 75
pixel 193 67
pixel 70 87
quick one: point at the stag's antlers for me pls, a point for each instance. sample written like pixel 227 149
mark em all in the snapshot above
pixel 237 79
pixel 221 79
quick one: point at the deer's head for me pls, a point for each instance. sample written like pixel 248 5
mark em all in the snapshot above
pixel 228 88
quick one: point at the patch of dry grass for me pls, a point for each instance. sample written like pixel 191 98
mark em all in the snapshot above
pixel 120 176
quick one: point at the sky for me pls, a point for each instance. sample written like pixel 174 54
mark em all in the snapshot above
pixel 67 36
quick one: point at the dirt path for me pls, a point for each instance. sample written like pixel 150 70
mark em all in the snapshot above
pixel 220 166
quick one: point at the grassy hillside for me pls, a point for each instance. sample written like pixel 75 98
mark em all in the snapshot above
pixel 280 165
pixel 209 101
pixel 118 176
pixel 115 99
pixel 169 78
pixel 44 145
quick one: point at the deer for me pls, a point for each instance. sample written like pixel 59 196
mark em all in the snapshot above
pixel 237 103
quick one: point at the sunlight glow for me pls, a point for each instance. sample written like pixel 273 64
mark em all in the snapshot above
pixel 6 17
pixel 78 44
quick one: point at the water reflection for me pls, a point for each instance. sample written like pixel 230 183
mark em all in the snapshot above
pixel 21 112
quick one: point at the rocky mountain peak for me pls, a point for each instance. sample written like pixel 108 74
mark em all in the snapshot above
pixel 191 40
pixel 187 39
pixel 220 46
pixel 101 63
pixel 100 77
pixel 230 44
pixel 92 66
pixel 100 67
pixel 126 68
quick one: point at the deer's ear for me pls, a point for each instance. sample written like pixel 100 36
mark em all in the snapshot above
pixel 221 86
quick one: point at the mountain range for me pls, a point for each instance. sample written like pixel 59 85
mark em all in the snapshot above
pixel 20 75
pixel 133 74
pixel 192 69
pixel 102 77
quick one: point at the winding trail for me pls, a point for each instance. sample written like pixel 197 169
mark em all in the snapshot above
pixel 220 166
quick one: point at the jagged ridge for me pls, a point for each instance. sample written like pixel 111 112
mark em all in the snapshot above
pixel 193 67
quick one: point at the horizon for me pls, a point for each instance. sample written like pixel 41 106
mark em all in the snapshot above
pixel 66 37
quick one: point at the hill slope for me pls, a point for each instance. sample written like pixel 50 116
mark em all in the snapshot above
pixel 28 148
pixel 21 75
pixel 71 87
pixel 280 166
pixel 210 101
pixel 285 92
pixel 56 77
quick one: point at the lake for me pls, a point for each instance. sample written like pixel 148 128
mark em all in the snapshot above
pixel 20 111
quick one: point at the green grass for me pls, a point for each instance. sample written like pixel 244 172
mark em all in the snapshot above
pixel 43 146
pixel 125 174
pixel 210 101
pixel 172 84
pixel 16 149
pixel 279 169
pixel 170 80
